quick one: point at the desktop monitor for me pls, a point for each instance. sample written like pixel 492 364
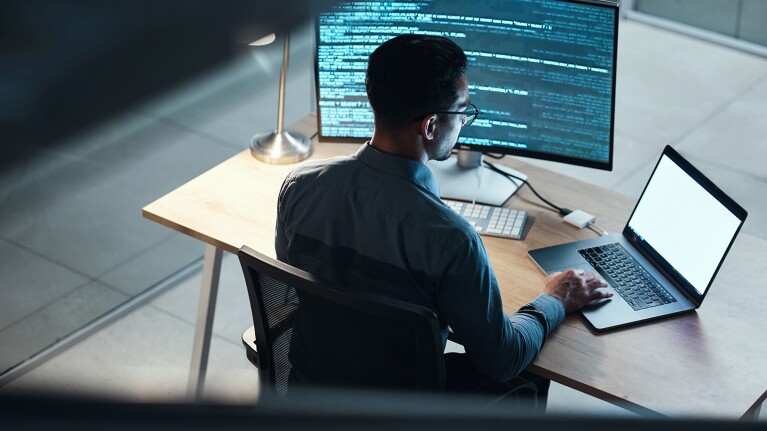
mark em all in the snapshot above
pixel 542 73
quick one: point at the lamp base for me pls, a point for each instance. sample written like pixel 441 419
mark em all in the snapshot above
pixel 279 148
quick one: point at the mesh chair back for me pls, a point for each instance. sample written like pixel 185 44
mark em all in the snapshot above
pixel 280 304
pixel 355 340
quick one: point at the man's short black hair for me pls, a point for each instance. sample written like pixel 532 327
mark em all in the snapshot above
pixel 411 75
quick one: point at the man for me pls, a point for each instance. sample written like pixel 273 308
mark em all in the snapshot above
pixel 374 221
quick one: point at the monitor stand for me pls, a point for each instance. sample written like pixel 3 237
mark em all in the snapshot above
pixel 465 178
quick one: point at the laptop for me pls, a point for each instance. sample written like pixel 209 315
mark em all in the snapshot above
pixel 670 250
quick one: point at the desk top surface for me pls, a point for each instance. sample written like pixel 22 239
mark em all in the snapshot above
pixel 708 362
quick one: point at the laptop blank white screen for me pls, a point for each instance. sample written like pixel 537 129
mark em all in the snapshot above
pixel 684 223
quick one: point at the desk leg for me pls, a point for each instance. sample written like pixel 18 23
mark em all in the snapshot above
pixel 204 325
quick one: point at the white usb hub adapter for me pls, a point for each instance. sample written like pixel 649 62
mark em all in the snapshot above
pixel 579 218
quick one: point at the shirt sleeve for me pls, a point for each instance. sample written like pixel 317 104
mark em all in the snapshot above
pixel 280 237
pixel 498 345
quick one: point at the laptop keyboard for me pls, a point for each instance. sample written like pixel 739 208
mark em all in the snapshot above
pixel 626 277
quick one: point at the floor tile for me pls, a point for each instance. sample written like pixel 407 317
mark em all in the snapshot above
pixel 88 145
pixel 223 79
pixel 154 264
pixel 747 190
pixel 73 147
pixel 82 209
pixel 668 83
pixel 633 183
pixel 29 282
pixel 720 16
pixel 629 155
pixel 736 136
pixel 58 319
pixel 231 378
pixel 232 315
pixel 87 214
pixel 142 356
pixel 236 104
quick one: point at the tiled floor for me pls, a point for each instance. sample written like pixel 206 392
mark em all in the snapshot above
pixel 707 101
pixel 71 213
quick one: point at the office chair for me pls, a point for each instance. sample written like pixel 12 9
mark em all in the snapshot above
pixel 359 340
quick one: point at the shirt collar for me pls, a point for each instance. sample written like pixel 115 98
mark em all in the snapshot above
pixel 412 170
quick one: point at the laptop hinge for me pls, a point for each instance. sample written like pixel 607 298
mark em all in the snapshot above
pixel 671 279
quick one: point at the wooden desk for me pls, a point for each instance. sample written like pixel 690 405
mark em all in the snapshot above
pixel 706 363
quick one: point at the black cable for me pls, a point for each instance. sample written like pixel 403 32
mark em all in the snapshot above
pixel 495 156
pixel 561 210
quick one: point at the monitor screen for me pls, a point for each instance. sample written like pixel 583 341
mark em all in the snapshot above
pixel 542 72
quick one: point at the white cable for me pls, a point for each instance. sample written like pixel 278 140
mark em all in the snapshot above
pixel 598 229
pixel 479 186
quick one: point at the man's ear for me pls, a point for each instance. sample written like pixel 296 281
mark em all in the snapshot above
pixel 428 125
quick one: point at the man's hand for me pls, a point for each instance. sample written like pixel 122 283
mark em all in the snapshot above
pixel 575 288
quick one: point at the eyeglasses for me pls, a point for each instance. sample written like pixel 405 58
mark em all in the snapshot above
pixel 469 114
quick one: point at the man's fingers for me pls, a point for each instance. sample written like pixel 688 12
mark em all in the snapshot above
pixel 574 272
pixel 600 293
pixel 597 283
pixel 590 276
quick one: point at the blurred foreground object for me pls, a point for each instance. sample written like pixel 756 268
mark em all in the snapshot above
pixel 66 64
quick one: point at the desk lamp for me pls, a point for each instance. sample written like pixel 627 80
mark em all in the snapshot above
pixel 280 146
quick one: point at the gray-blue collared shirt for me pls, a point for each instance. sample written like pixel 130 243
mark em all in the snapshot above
pixel 375 221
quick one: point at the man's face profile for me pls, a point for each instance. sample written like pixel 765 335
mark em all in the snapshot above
pixel 450 125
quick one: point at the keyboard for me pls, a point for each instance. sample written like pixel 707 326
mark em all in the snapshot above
pixel 491 220
pixel 632 282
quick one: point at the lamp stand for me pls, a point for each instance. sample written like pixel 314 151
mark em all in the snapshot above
pixel 281 146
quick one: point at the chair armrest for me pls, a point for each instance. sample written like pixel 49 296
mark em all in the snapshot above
pixel 249 341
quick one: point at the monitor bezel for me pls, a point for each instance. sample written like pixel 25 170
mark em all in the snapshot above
pixel 607 166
